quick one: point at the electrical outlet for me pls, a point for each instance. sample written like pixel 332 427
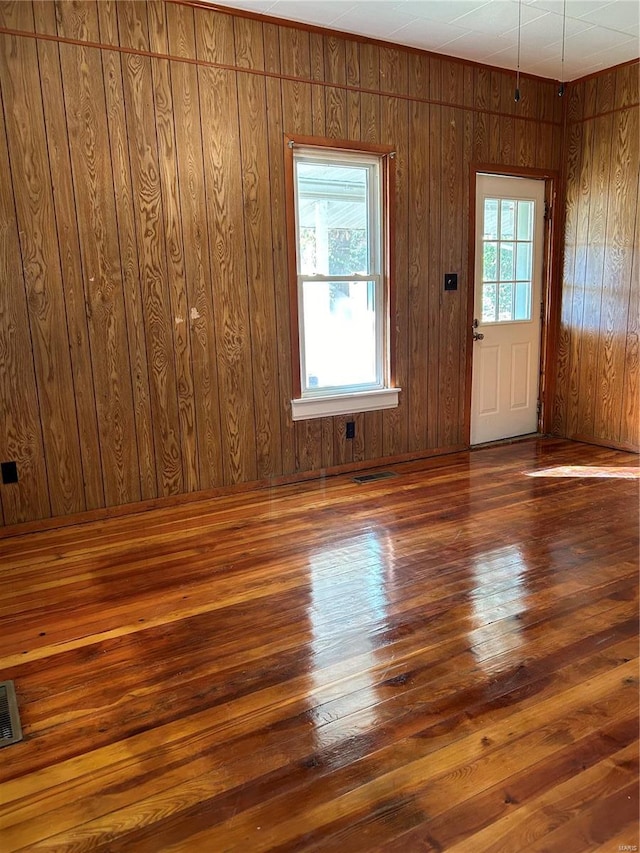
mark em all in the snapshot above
pixel 9 472
pixel 351 429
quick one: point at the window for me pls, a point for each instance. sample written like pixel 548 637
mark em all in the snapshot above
pixel 507 260
pixel 340 287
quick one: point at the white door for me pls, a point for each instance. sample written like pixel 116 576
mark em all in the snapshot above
pixel 508 301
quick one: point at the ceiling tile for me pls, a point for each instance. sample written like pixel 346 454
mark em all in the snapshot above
pixel 441 10
pixel 432 34
pixel 623 15
pixel 498 17
pixel 322 14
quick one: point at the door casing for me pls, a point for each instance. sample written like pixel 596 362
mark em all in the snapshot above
pixel 550 286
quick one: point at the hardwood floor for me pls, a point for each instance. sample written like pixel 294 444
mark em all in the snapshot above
pixel 444 659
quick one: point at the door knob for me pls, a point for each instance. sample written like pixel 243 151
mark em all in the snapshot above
pixel 478 336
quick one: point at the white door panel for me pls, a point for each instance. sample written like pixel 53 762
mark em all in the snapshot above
pixel 508 293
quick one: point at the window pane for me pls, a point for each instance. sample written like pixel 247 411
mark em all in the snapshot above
pixel 505 301
pixel 490 265
pixel 522 301
pixel 491 219
pixel 523 262
pixel 507 219
pixel 507 251
pixel 339 334
pixel 489 306
pixel 333 226
pixel 525 220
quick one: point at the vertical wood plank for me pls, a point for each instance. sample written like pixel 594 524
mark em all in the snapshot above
pixel 434 275
pixel 394 130
pixel 416 392
pixel 175 261
pixel 587 390
pixel 133 24
pixel 143 153
pixel 72 278
pixel 30 169
pixel 181 33
pixel 578 279
pixel 126 237
pixel 280 270
pixel 17 15
pixel 99 250
pixel 370 132
pixel 257 238
pixel 215 39
pixel 78 19
pixel 219 109
pixel 193 209
pixel 451 312
pixel 21 437
pixel 249 46
pixel 616 282
pixel 295 58
pixel 481 120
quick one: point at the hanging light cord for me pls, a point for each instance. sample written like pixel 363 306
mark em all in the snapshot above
pixel 517 92
pixel 564 24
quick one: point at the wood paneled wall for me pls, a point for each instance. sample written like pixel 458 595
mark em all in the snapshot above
pixel 597 385
pixel 144 332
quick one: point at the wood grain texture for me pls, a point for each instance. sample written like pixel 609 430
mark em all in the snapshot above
pixel 72 275
pixel 168 158
pixel 262 319
pixel 197 261
pixel 176 374
pixel 219 109
pixel 129 258
pixel 35 215
pixel 85 111
pixel 21 437
pixel 597 363
pixel 159 321
pixel 235 676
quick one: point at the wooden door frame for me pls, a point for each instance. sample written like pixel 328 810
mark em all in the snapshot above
pixel 550 285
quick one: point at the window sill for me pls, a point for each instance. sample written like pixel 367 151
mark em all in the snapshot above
pixel 344 404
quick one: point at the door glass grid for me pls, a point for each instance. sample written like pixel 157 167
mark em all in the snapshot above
pixel 507 260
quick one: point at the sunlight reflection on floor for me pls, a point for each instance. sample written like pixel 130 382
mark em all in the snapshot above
pixel 587 471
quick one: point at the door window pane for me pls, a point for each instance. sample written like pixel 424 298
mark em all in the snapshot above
pixel 489 303
pixel 523 262
pixel 506 261
pixel 490 262
pixel 491 218
pixel 507 219
pixel 505 301
pixel 525 220
pixel 522 308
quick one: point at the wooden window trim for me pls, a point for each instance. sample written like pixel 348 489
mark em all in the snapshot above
pixel 387 153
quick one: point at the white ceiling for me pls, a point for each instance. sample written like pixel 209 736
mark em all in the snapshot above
pixel 598 34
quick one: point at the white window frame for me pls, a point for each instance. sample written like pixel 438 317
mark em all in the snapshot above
pixel 346 399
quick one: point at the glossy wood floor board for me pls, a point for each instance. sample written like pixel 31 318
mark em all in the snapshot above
pixel 447 659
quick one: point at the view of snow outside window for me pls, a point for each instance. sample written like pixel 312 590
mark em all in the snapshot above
pixel 507 260
pixel 339 317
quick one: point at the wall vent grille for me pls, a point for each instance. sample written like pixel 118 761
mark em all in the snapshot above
pixel 377 475
pixel 10 728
